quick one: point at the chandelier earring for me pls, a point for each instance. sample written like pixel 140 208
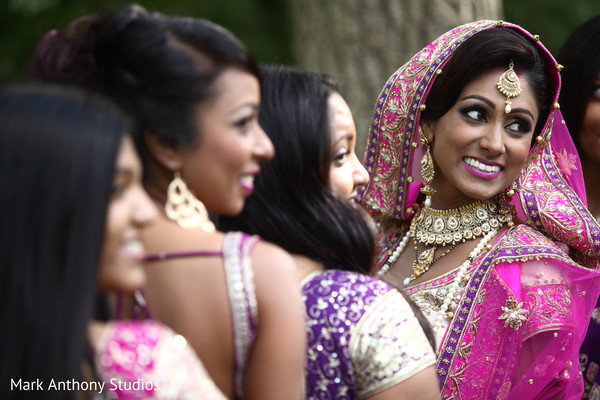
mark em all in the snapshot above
pixel 184 208
pixel 427 169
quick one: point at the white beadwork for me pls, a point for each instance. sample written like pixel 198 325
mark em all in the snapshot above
pixel 394 256
pixel 454 291
pixel 462 272
pixel 427 202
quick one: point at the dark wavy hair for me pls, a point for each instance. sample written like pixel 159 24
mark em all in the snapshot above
pixel 580 56
pixel 157 68
pixel 486 50
pixel 293 205
pixel 58 149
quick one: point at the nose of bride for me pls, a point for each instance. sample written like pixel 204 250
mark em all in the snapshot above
pixel 493 140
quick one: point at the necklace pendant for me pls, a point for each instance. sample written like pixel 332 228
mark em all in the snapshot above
pixel 407 281
pixel 423 262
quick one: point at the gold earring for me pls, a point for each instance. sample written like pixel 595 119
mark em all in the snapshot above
pixel 509 85
pixel 427 169
pixel 184 208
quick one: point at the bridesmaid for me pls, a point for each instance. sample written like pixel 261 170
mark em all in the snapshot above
pixel 193 90
pixel 364 341
pixel 68 242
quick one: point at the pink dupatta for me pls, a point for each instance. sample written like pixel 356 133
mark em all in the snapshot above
pixel 544 269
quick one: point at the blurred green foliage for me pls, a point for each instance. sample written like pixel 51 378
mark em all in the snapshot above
pixel 264 25
pixel 553 20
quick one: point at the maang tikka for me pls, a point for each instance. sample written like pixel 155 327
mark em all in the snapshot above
pixel 509 85
pixel 427 169
pixel 184 208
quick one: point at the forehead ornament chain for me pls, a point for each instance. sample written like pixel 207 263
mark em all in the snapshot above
pixel 509 85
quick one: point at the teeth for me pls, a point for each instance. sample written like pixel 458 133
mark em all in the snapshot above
pixel 482 167
pixel 134 248
pixel 249 179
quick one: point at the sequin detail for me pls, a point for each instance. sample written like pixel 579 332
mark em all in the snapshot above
pixel 362 337
pixel 237 249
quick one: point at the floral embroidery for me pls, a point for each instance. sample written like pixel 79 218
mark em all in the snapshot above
pixel 361 336
pixel 548 203
pixel 549 305
pixel 150 361
pixel 514 314
pixel 568 162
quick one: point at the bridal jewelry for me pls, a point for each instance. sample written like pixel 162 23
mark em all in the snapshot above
pixel 184 208
pixel 394 256
pixel 449 228
pixel 453 290
pixel 509 85
pixel 427 169
pixel 423 261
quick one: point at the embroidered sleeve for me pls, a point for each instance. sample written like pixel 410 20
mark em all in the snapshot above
pixel 388 345
pixel 146 360
pixel 547 296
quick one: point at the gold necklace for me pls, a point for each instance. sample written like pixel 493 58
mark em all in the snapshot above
pixel 451 227
pixel 425 260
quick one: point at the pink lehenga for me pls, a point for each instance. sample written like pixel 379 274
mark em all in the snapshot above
pixel 147 360
pixel 524 305
pixel 134 352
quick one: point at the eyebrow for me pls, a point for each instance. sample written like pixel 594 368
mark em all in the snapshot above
pixel 493 106
pixel 127 171
pixel 253 106
pixel 345 137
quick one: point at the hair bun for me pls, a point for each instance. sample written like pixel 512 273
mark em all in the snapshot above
pixel 66 57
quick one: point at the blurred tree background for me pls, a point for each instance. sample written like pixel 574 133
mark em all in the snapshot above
pixel 264 25
pixel 285 31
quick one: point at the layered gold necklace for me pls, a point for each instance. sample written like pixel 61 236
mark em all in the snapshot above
pixel 433 228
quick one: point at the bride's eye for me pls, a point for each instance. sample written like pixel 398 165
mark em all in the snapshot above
pixel 475 113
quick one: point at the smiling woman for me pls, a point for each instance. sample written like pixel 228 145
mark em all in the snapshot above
pixel 80 246
pixel 476 188
pixel 123 253
pixel 346 173
pixel 479 149
pixel 194 92
pixel 364 341
pixel 57 148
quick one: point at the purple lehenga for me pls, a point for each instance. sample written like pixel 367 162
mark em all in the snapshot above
pixel 524 305
pixel 362 336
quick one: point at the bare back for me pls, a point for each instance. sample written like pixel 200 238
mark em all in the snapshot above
pixel 192 295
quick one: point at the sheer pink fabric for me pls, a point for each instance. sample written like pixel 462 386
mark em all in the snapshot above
pixel 548 264
pixel 481 357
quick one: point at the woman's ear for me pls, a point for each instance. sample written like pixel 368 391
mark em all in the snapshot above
pixel 428 131
pixel 166 155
